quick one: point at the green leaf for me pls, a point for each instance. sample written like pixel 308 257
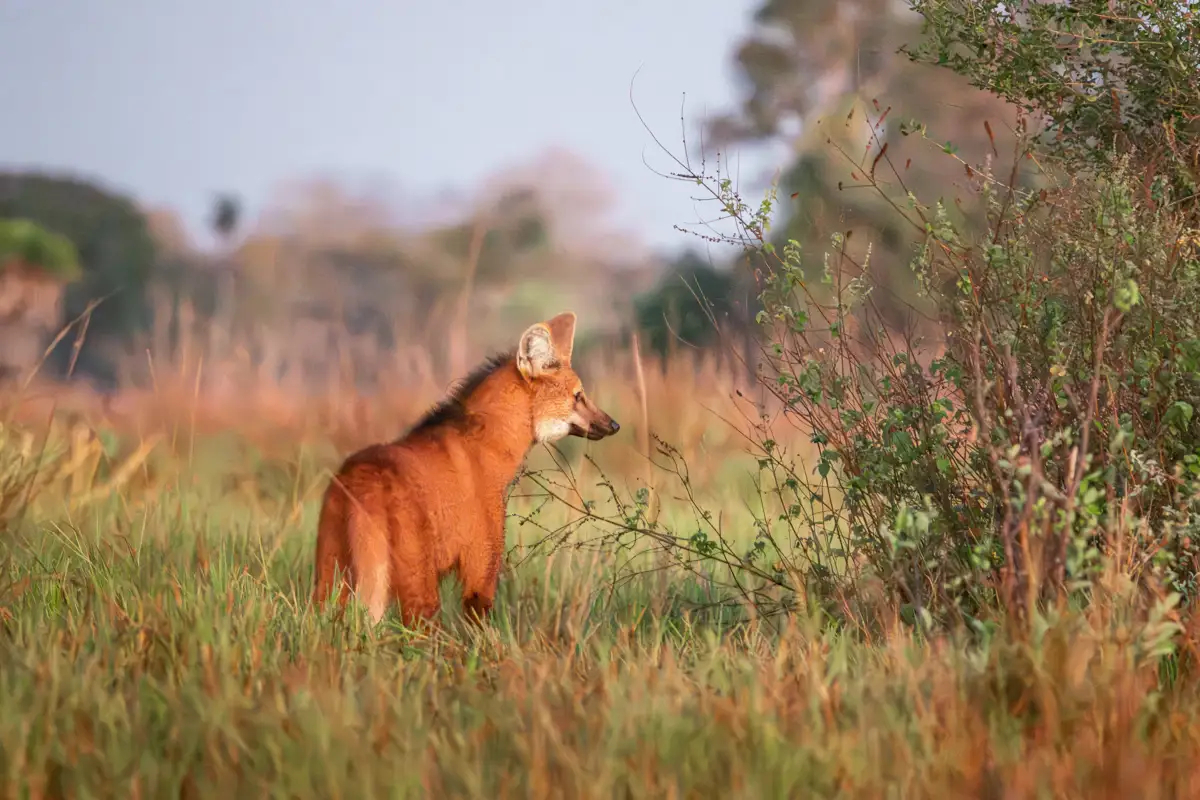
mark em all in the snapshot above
pixel 1126 296
pixel 1179 415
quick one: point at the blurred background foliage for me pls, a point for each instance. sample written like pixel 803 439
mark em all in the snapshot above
pixel 330 280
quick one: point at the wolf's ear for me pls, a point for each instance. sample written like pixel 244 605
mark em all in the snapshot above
pixel 545 346
pixel 562 335
pixel 535 353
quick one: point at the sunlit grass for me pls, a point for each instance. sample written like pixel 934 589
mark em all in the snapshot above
pixel 157 640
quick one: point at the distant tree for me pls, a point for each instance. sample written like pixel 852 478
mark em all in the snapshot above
pixel 169 232
pixel 798 56
pixel 225 219
pixel 514 227
pixel 27 246
pixel 226 216
pixel 680 312
pixel 116 255
pixel 828 78
pixel 35 266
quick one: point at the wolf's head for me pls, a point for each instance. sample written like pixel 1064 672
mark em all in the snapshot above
pixel 560 405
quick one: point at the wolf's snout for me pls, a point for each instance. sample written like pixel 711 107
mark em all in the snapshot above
pixel 600 428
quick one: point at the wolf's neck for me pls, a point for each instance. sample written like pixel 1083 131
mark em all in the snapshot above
pixel 500 414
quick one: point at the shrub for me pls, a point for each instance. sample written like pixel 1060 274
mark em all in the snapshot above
pixel 1050 439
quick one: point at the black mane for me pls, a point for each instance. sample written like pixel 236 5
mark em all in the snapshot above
pixel 451 408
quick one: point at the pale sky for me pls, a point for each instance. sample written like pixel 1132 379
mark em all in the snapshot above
pixel 175 100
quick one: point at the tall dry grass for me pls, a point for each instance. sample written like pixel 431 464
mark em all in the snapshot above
pixel 156 638
pixel 180 389
pixel 163 646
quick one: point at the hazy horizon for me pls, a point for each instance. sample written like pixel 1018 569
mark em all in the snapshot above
pixel 175 102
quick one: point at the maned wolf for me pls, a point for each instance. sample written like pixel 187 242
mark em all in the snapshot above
pixel 398 517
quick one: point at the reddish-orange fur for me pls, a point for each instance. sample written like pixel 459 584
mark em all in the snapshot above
pixel 399 517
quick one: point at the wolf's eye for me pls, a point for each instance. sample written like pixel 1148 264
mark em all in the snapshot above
pixel 579 397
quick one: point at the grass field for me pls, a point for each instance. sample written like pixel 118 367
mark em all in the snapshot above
pixel 157 641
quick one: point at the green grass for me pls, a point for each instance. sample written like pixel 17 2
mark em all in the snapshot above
pixel 161 644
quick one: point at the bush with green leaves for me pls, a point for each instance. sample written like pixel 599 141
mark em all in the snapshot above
pixel 1107 77
pixel 1050 439
pixel 1058 424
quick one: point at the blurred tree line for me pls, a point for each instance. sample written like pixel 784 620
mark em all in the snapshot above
pixel 109 243
pixel 327 280
pixel 822 77
pixel 36 265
